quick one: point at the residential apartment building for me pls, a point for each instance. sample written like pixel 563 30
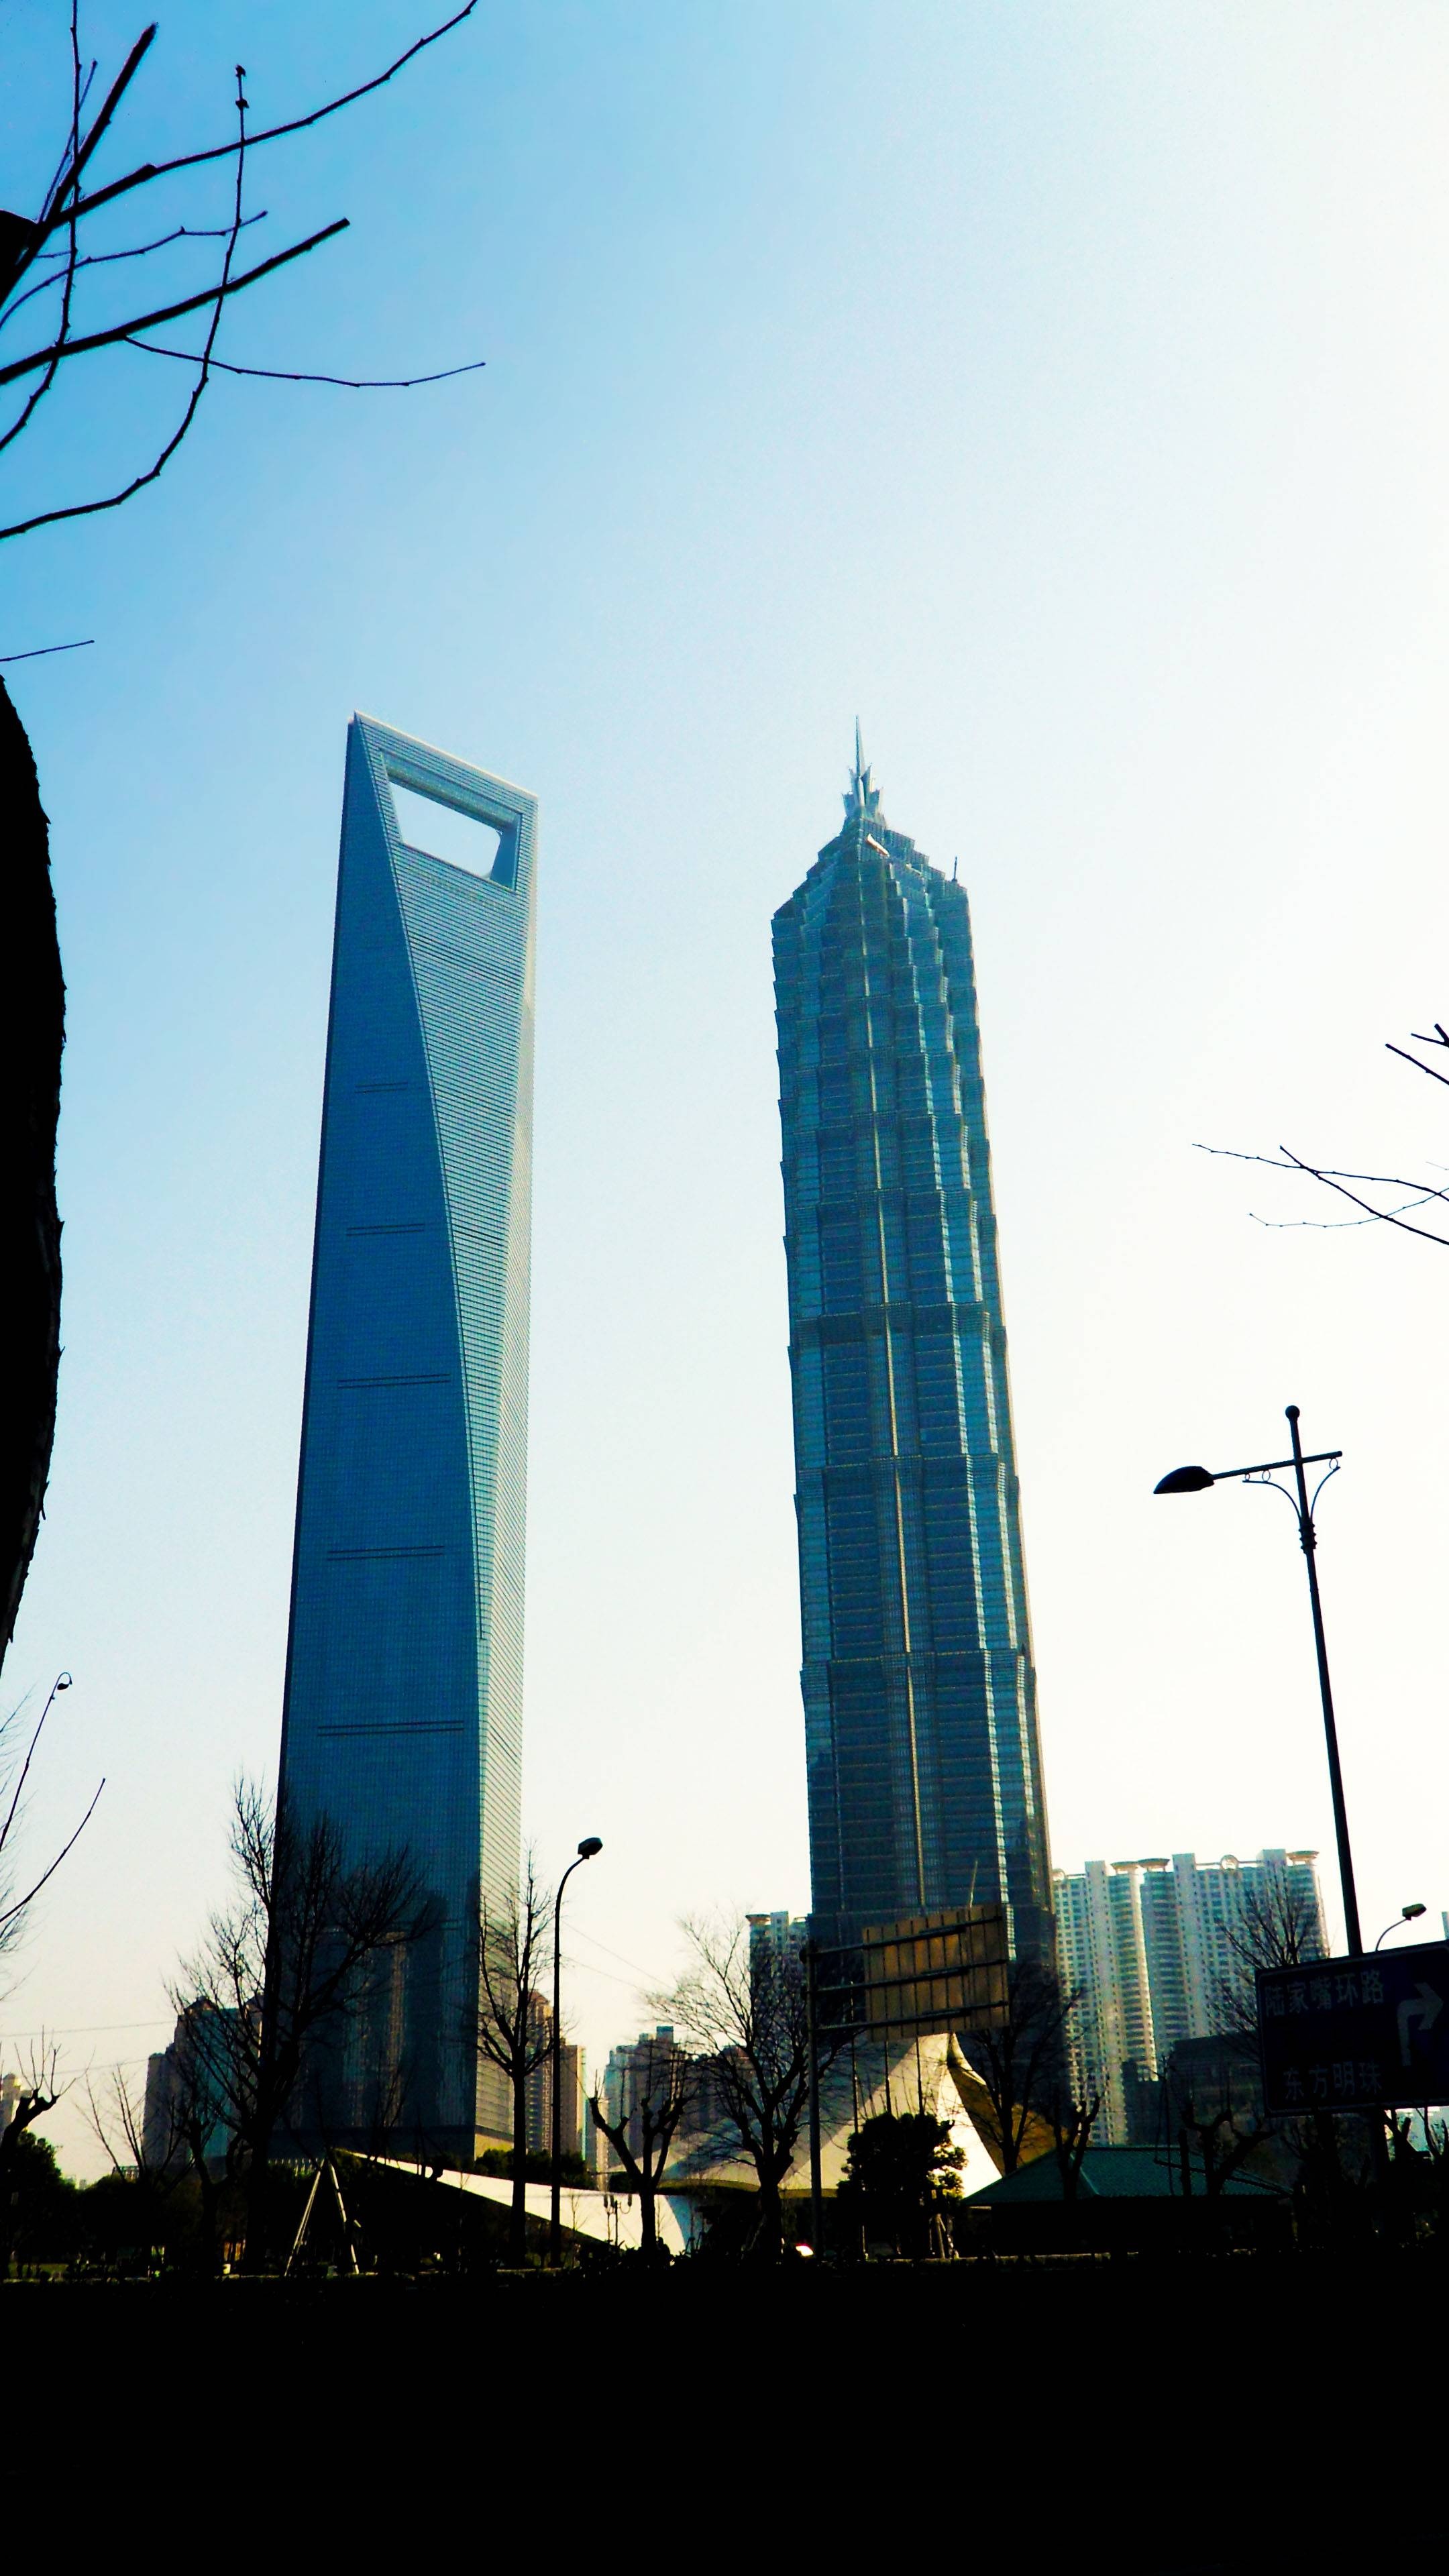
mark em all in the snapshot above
pixel 1162 1950
pixel 572 2078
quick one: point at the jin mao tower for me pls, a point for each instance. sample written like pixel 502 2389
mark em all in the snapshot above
pixel 923 1761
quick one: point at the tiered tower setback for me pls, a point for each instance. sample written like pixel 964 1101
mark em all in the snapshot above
pixel 924 1766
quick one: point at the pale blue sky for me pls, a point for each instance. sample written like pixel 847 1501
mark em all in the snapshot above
pixel 1062 388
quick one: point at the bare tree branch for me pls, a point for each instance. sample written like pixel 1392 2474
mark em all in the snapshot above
pixel 18 1908
pixel 81 153
pixel 1333 1179
pixel 12 1913
pixel 1420 1193
pixel 30 407
pixel 150 170
pixel 138 250
pixel 1432 1072
pixel 1020 2060
pixel 60 349
pixel 219 294
pixel 292 376
pixel 40 651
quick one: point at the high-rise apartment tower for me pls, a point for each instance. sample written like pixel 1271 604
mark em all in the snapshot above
pixel 405 1663
pixel 1158 1951
pixel 924 1767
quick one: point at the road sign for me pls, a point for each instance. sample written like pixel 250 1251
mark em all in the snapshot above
pixel 1356 2034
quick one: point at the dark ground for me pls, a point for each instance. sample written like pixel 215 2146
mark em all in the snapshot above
pixel 1170 2417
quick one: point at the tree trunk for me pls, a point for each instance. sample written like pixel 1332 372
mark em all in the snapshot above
pixel 518 2212
pixel 209 2197
pixel 32 1033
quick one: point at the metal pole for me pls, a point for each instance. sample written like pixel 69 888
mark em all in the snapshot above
pixel 817 2230
pixel 1308 1536
pixel 586 1851
pixel 555 2214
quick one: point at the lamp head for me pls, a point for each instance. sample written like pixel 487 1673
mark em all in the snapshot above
pixel 591 1843
pixel 1411 1913
pixel 1185 1480
pixel 62 1681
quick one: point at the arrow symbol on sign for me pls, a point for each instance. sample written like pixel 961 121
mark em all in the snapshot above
pixel 1425 2008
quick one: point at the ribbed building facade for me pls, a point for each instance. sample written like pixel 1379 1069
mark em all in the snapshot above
pixel 405 1664
pixel 924 1767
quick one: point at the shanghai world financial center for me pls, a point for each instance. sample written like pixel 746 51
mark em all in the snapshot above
pixel 403 1709
pixel 405 1668
pixel 923 1764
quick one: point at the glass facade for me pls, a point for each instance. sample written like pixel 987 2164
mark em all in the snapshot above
pixel 924 1766
pixel 405 1663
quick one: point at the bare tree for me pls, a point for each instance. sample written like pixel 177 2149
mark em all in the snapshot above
pixel 662 2086
pixel 13 1908
pixel 513 2023
pixel 79 242
pixel 749 2020
pixel 281 1977
pixel 1277 1927
pixel 1418 2171
pixel 116 2117
pixel 1021 2061
pixel 1222 2145
pixel 1073 2118
pixel 1411 1194
pixel 39 2093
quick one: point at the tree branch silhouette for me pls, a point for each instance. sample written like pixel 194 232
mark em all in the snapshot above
pixel 66 207
pixel 1330 1177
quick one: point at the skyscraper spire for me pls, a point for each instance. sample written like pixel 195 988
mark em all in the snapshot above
pixel 861 798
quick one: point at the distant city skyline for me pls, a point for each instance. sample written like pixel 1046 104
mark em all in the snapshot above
pixel 404 1697
pixel 923 1759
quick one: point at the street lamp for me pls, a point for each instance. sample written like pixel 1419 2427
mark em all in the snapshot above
pixel 1407 1914
pixel 587 1848
pixel 1195 1480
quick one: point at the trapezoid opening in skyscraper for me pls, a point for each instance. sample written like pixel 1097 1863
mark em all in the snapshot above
pixel 403 1711
pixel 922 1752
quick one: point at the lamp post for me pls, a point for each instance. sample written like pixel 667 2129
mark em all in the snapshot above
pixel 808 1956
pixel 1407 1914
pixel 587 1848
pixel 1195 1480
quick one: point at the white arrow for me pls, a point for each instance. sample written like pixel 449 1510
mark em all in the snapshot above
pixel 1424 2008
